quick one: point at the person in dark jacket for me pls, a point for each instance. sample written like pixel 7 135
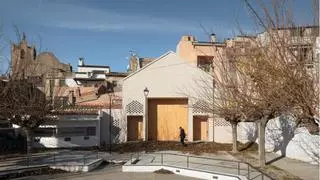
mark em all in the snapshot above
pixel 182 136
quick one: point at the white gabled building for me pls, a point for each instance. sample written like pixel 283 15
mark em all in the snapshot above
pixel 172 86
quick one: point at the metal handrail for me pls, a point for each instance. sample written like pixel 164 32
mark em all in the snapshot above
pixel 253 169
pixel 51 157
pixel 217 159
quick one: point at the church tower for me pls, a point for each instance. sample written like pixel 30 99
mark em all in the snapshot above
pixel 22 56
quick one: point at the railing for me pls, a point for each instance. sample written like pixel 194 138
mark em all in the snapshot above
pixel 206 164
pixel 53 158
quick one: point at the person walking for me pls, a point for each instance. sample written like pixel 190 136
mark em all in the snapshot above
pixel 182 136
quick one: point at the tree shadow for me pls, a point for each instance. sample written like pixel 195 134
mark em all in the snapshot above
pixel 247 146
pixel 285 129
pixel 275 159
pixel 287 133
pixel 251 136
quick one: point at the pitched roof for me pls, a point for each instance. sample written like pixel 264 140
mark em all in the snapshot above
pixel 119 74
pixel 77 110
pixel 157 59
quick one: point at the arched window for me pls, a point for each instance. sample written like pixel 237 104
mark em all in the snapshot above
pixel 34 54
pixel 22 54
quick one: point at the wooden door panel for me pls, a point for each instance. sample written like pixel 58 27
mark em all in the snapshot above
pixel 204 129
pixel 166 116
pixel 200 128
pixel 134 128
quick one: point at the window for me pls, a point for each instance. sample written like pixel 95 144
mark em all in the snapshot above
pixel 114 83
pixel 72 131
pixel 45 132
pixel 77 131
pixel 34 54
pixel 205 63
pixel 63 101
pixel 67 139
pixel 51 84
pixel 62 82
pixel 86 138
pixel 91 131
pixel 22 54
pixel 309 66
pixel 297 32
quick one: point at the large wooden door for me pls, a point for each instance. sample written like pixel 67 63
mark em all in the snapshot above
pixel 200 128
pixel 134 127
pixel 165 118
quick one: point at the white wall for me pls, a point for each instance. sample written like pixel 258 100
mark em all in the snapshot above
pixel 246 131
pixel 90 69
pixel 276 129
pixel 168 77
pixel 71 82
pixel 76 141
pixel 118 127
pixel 98 76
pixel 303 146
pixel 282 137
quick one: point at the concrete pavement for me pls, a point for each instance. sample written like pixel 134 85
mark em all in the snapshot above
pixel 218 163
pixel 281 168
pixel 64 157
pixel 298 168
pixel 110 173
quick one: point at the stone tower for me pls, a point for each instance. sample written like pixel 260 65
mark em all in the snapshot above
pixel 22 56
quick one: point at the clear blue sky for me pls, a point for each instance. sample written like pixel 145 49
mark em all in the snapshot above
pixel 104 31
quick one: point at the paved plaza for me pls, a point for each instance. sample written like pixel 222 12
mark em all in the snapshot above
pixel 223 162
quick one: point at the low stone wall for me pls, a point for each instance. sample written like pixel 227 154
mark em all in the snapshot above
pixel 282 137
pixel 78 167
pixel 182 171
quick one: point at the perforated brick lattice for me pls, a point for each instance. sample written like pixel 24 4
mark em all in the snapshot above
pixel 116 122
pixel 116 128
pixel 134 107
pixel 221 122
pixel 200 107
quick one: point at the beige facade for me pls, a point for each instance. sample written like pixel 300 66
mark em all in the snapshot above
pixel 200 54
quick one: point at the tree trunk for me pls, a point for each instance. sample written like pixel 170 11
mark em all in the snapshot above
pixel 28 133
pixel 262 150
pixel 234 136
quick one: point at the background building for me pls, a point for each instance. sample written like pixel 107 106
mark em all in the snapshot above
pixel 199 53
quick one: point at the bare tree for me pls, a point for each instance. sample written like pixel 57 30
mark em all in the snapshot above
pixel 23 96
pixel 266 76
pixel 230 97
pixel 277 68
pixel 22 103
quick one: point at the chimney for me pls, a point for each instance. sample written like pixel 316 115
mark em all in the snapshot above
pixel 213 37
pixel 188 38
pixel 81 61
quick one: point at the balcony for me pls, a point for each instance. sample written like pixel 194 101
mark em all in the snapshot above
pixel 299 40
